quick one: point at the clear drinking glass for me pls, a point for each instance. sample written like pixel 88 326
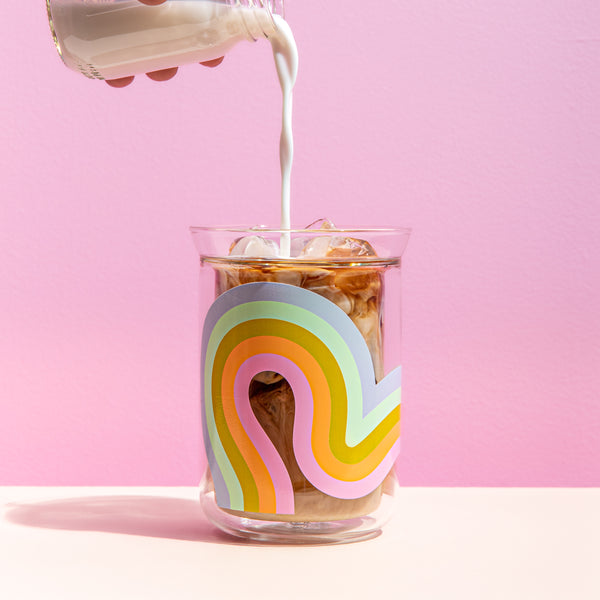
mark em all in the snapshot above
pixel 300 368
pixel 110 39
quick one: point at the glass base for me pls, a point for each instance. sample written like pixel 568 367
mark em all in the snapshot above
pixel 299 532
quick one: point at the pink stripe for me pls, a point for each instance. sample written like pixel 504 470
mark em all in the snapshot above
pixel 284 492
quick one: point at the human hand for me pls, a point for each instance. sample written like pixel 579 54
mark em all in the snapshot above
pixel 163 74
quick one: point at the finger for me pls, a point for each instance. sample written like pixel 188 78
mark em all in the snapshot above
pixel 152 2
pixel 213 63
pixel 120 83
pixel 163 74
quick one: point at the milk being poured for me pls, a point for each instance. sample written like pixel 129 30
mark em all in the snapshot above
pixel 110 39
pixel 285 53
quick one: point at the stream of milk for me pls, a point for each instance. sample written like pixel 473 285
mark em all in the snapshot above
pixel 285 53
pixel 109 39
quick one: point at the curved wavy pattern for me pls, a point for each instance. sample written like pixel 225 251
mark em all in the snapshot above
pixel 346 427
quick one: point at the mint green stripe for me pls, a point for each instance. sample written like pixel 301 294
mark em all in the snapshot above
pixel 365 425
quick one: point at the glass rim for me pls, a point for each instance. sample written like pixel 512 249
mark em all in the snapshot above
pixel 274 230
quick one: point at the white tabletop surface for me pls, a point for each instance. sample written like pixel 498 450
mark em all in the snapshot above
pixel 86 543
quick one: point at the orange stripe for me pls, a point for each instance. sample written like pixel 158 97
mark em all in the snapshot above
pixel 260 473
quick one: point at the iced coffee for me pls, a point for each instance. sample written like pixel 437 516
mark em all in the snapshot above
pixel 347 272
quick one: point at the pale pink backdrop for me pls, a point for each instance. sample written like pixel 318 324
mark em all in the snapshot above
pixel 475 123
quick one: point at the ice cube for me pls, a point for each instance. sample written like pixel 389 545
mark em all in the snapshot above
pixel 316 247
pixel 337 247
pixel 298 243
pixel 297 246
pixel 321 224
pixel 254 246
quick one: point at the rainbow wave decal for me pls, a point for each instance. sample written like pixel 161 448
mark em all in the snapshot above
pixel 346 433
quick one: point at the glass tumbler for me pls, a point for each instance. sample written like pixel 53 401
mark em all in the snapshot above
pixel 300 381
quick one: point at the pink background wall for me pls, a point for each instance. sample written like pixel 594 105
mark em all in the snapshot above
pixel 476 123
